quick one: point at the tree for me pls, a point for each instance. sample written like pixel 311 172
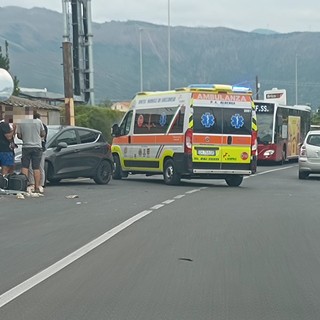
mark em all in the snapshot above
pixel 5 64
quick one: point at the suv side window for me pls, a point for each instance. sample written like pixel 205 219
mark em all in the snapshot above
pixel 87 136
pixel 68 136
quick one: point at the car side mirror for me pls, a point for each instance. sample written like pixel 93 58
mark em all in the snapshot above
pixel 115 130
pixel 61 145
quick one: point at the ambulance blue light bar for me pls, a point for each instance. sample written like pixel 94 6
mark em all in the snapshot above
pixel 238 89
pixel 201 86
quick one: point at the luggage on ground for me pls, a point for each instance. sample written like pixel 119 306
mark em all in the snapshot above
pixel 3 182
pixel 17 182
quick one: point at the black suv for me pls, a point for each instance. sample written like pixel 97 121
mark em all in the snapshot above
pixel 74 152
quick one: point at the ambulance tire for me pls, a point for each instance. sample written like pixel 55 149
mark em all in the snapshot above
pixel 234 181
pixel 170 175
pixel 117 173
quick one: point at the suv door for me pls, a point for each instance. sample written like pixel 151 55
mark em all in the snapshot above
pixel 92 149
pixel 64 161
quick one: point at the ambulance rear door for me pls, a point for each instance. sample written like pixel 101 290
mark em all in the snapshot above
pixel 221 133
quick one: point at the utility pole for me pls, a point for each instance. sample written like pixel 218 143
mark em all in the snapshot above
pixel 68 83
pixel 296 79
pixel 141 65
pixel 78 31
pixel 67 67
pixel 169 49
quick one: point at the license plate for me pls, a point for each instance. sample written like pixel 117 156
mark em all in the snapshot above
pixel 206 152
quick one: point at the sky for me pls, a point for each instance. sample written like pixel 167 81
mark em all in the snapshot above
pixel 283 16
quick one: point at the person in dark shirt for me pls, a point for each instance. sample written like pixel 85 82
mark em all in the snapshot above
pixel 6 152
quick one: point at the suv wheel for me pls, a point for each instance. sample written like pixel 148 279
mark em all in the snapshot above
pixel 103 173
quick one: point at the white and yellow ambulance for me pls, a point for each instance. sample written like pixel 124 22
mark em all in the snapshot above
pixel 201 131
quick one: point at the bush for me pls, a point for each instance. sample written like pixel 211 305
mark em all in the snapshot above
pixel 99 118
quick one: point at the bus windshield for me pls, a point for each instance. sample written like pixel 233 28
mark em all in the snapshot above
pixel 265 123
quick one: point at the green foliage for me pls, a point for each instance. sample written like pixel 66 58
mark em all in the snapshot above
pixel 106 103
pixel 316 118
pixel 99 118
pixel 5 64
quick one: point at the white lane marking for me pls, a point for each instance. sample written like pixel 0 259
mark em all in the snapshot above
pixel 21 288
pixel 193 191
pixel 273 170
pixel 168 201
pixel 179 196
pixel 157 206
pixel 56 267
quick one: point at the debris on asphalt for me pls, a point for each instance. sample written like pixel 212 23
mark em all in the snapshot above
pixel 20 196
pixel 72 196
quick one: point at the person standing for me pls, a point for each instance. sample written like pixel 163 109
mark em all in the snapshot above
pixel 36 115
pixel 6 152
pixel 31 133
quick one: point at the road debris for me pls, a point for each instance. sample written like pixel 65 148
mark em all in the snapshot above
pixel 72 196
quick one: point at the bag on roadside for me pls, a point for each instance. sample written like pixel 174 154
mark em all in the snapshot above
pixel 17 182
pixel 3 182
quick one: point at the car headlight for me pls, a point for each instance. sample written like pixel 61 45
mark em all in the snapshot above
pixel 268 153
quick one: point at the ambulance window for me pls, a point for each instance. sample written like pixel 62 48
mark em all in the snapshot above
pixel 177 126
pixel 126 124
pixel 155 120
pixel 236 121
pixel 207 120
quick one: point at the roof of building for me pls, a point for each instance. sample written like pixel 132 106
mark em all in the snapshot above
pixel 22 102
pixel 45 94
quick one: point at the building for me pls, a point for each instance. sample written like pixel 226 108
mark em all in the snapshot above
pixel 121 106
pixel 17 109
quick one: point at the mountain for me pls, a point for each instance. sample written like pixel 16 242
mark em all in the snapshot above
pixel 198 55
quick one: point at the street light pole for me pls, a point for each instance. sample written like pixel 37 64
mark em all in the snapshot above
pixel 169 49
pixel 296 79
pixel 141 65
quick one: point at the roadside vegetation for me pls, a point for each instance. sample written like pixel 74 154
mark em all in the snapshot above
pixel 97 117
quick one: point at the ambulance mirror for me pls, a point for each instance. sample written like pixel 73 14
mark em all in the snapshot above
pixel 115 130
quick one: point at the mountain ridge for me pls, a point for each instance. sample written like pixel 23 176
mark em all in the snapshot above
pixel 198 55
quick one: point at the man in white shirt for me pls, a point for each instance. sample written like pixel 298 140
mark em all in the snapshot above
pixel 31 131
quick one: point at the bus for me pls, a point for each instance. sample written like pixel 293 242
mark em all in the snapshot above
pixel 204 131
pixel 281 129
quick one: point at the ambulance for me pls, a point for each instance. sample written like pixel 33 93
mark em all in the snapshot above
pixel 203 131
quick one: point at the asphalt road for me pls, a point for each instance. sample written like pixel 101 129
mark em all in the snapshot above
pixel 138 249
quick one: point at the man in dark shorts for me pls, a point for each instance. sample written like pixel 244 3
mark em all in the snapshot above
pixel 31 131
pixel 6 153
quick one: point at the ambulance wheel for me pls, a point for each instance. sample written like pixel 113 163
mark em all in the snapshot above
pixel 117 173
pixel 170 174
pixel 234 181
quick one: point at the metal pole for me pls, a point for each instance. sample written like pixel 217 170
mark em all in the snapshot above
pixel 296 79
pixel 68 83
pixel 141 65
pixel 169 49
pixel 90 52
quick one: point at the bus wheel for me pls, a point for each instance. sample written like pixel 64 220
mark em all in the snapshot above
pixel 234 181
pixel 170 174
pixel 283 156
